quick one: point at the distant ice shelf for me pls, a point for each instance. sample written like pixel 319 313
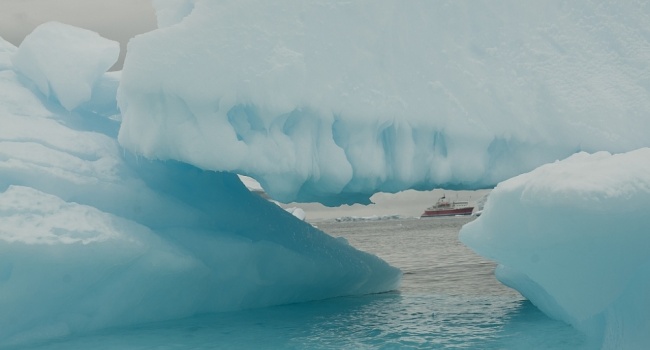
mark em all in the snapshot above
pixel 368 218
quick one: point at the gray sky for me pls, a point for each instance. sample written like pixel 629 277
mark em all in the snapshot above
pixel 118 20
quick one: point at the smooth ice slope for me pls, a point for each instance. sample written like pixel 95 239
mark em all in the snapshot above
pixel 65 61
pixel 573 238
pixel 93 237
pixel 336 100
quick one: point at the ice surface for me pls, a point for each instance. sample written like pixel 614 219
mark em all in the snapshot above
pixel 327 101
pixel 572 237
pixel 65 61
pixel 297 212
pixel 334 101
pixel 170 12
pixel 93 237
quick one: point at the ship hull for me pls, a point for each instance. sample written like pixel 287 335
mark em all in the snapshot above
pixel 447 212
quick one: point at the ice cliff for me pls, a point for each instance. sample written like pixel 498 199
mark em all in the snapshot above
pixel 329 101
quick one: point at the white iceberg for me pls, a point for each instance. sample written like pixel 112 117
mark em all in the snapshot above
pixel 93 236
pixel 333 102
pixel 572 237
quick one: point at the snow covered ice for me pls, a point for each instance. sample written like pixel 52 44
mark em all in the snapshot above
pixel 334 101
pixel 92 236
pixel 572 237
pixel 327 101
pixel 65 62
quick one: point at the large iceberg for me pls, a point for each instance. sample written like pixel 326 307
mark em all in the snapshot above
pixel 93 236
pixel 333 101
pixel 119 202
pixel 572 237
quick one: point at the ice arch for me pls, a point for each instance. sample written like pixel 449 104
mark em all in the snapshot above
pixel 319 100
pixel 333 101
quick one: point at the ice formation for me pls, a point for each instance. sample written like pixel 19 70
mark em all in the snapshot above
pixel 329 101
pixel 6 50
pixel 93 236
pixel 64 61
pixel 336 100
pixel 572 237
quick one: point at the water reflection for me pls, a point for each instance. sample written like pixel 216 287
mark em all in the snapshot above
pixel 383 321
pixel 525 327
pixel 449 299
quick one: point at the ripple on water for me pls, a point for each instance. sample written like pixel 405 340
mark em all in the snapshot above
pixel 449 299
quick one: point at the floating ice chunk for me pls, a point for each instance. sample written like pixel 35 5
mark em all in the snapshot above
pixel 65 61
pixel 572 236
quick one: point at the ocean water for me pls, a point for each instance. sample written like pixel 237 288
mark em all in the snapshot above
pixel 449 299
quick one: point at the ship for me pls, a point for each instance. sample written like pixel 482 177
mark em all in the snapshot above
pixel 445 207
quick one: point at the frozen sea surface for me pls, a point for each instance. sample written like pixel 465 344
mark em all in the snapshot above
pixel 449 299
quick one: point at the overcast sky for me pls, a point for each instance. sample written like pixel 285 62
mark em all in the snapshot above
pixel 118 20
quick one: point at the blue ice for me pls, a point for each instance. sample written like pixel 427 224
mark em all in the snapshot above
pixel 120 205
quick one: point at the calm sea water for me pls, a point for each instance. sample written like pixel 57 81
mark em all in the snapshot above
pixel 449 300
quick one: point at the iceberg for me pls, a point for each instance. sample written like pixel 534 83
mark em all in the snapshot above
pixel 93 236
pixel 64 61
pixel 332 102
pixel 120 201
pixel 572 237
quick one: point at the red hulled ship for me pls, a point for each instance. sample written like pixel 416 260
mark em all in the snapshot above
pixel 445 207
